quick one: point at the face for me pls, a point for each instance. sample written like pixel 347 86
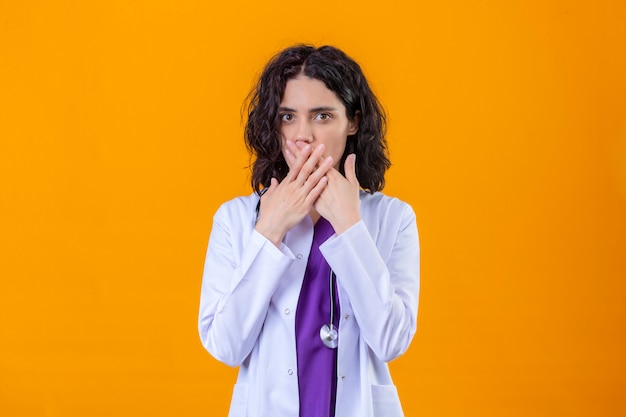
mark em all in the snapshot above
pixel 311 113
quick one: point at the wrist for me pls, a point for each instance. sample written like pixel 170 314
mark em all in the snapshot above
pixel 345 224
pixel 274 236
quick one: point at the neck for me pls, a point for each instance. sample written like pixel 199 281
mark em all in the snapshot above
pixel 315 216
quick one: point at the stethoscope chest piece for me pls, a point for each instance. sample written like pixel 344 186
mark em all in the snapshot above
pixel 329 335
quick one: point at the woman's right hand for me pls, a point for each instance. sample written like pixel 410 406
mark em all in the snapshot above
pixel 285 204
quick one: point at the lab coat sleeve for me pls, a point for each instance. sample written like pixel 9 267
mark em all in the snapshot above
pixel 240 276
pixel 383 294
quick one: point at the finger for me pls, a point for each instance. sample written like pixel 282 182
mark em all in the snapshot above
pixel 299 162
pixel 290 157
pixel 350 169
pixel 311 163
pixel 295 148
pixel 321 170
pixel 316 191
pixel 291 150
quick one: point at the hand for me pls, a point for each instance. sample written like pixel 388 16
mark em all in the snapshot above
pixel 339 202
pixel 286 203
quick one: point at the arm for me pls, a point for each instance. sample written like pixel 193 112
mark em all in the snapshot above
pixel 383 293
pixel 241 273
pixel 240 277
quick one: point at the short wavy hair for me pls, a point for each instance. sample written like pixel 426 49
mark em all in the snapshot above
pixel 342 75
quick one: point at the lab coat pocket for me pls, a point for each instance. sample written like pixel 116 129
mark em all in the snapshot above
pixel 385 401
pixel 239 402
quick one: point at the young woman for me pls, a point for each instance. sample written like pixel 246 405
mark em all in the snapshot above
pixel 311 282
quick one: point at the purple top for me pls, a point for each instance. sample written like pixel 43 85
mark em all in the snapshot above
pixel 317 364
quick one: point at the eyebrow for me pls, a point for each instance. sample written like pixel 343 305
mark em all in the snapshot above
pixel 313 110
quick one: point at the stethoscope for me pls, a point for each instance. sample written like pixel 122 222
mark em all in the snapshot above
pixel 328 332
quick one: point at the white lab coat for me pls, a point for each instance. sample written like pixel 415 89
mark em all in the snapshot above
pixel 250 292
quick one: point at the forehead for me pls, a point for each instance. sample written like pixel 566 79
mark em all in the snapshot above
pixel 303 91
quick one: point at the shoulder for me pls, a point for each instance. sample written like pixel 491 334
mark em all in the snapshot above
pixel 240 203
pixel 238 209
pixel 389 221
pixel 383 206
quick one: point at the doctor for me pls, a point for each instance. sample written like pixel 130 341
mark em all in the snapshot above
pixel 311 283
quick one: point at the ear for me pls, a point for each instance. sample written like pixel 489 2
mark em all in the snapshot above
pixel 353 124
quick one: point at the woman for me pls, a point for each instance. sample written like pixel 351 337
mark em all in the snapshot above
pixel 311 283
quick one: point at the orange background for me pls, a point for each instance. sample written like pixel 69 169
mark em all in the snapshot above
pixel 120 134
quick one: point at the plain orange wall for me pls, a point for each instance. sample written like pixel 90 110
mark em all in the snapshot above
pixel 120 134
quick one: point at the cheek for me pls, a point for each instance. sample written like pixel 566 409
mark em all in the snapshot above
pixel 285 132
pixel 339 147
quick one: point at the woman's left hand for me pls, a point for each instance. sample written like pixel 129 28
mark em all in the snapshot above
pixel 339 202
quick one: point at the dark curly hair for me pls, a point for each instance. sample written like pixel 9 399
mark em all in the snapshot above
pixel 340 74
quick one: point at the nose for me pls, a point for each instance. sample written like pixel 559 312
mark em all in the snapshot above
pixel 304 132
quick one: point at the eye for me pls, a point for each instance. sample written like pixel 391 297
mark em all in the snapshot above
pixel 286 117
pixel 323 116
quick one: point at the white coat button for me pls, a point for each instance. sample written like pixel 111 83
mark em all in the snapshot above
pixel 290 372
pixel 287 311
pixel 343 377
pixel 299 256
pixel 347 316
